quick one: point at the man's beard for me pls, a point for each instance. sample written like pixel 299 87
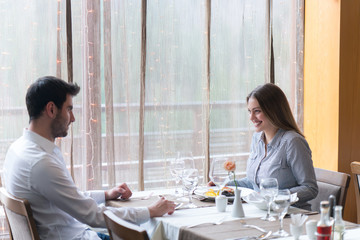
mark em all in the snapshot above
pixel 59 128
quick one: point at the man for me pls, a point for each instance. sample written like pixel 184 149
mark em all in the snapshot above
pixel 34 169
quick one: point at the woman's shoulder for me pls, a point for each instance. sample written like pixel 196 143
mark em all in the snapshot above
pixel 292 136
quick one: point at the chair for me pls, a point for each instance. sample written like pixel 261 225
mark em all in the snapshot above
pixel 121 229
pixel 355 171
pixel 330 183
pixel 19 216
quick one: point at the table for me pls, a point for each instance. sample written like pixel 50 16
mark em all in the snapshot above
pixel 176 226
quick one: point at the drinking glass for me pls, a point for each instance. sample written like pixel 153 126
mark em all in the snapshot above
pixel 177 166
pixel 218 175
pixel 268 189
pixel 190 179
pixel 281 205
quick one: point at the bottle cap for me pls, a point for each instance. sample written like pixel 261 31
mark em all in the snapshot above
pixel 324 204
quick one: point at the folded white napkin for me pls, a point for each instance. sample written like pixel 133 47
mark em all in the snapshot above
pixel 298 219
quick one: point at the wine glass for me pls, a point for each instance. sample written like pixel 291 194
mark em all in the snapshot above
pixel 177 165
pixel 281 205
pixel 190 176
pixel 190 179
pixel 268 189
pixel 218 175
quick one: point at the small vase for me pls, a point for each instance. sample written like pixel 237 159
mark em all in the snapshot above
pixel 237 210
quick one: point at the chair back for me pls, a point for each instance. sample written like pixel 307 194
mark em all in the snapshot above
pixel 355 171
pixel 121 229
pixel 330 183
pixel 19 216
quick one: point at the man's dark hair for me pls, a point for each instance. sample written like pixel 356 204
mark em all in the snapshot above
pixel 48 89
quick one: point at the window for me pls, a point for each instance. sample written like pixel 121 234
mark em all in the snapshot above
pixel 201 59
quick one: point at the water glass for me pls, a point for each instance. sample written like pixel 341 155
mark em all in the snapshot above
pixel 190 180
pixel 281 205
pixel 177 166
pixel 268 190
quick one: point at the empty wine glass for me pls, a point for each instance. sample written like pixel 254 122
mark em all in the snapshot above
pixel 177 165
pixel 189 175
pixel 218 175
pixel 190 179
pixel 281 205
pixel 268 190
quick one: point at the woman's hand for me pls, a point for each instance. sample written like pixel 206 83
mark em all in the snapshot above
pixel 210 184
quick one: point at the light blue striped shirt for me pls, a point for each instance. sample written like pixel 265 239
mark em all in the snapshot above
pixel 288 159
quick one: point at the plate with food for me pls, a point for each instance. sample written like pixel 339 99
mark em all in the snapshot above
pixel 212 192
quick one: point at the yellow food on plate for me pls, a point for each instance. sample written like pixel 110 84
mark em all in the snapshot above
pixel 225 191
pixel 211 193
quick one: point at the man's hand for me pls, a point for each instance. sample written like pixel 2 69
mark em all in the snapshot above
pixel 161 207
pixel 122 190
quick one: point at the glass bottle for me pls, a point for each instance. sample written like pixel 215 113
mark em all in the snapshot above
pixel 324 224
pixel 339 225
pixel 332 201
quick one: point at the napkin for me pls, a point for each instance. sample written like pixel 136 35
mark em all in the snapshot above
pixel 298 219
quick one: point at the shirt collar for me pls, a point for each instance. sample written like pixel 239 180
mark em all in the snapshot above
pixel 44 143
pixel 276 140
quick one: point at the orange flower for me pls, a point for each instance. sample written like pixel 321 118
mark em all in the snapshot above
pixel 229 165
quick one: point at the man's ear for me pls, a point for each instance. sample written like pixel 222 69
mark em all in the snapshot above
pixel 51 110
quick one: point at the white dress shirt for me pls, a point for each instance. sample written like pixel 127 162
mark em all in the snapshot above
pixel 34 169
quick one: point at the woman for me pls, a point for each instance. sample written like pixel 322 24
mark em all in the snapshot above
pixel 278 148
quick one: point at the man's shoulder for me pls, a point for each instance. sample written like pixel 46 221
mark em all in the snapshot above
pixel 25 150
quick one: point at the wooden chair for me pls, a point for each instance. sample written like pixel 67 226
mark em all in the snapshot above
pixel 19 216
pixel 121 229
pixel 355 171
pixel 330 183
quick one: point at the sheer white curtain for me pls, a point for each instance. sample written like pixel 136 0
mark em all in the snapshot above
pixel 201 59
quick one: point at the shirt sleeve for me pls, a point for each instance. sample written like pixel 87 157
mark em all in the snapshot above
pixel 299 159
pixel 52 181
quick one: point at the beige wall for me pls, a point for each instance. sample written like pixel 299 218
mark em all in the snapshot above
pixel 332 86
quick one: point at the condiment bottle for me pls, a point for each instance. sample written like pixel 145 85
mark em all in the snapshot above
pixel 339 225
pixel 332 201
pixel 324 224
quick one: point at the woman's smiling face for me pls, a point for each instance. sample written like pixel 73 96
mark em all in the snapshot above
pixel 258 117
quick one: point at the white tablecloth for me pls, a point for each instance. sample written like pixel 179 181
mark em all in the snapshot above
pixel 168 226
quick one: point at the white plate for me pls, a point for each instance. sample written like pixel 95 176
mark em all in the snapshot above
pixel 202 190
pixel 256 199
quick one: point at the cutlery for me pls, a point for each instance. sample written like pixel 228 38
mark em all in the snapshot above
pixel 178 206
pixel 148 196
pixel 261 237
pixel 253 226
pixel 218 222
pixel 264 235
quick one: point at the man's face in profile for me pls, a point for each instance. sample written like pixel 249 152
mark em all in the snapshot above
pixel 64 117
